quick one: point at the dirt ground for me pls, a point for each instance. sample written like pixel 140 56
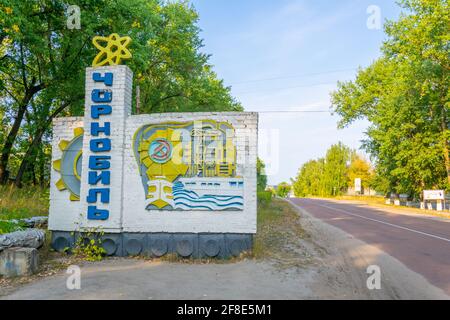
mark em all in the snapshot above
pixel 296 257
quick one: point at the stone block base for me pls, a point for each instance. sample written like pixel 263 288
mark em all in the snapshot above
pixel 186 245
pixel 18 262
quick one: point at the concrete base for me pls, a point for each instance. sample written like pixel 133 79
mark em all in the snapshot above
pixel 18 262
pixel 187 245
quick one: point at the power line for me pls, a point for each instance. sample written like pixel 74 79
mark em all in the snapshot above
pixel 290 108
pixel 292 87
pixel 312 106
pixel 294 76
pixel 294 111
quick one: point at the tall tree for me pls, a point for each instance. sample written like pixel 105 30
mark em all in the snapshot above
pixel 405 96
pixel 42 65
pixel 283 189
pixel 310 179
pixel 360 168
pixel 335 169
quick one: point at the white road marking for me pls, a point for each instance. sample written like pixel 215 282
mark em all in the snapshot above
pixel 383 222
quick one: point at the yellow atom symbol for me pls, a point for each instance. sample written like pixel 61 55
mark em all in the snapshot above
pixel 112 50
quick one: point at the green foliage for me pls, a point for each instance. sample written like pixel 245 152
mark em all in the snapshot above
pixel 264 196
pixel 335 169
pixel 8 226
pixel 261 178
pixel 332 175
pixel 89 246
pixel 283 189
pixel 405 96
pixel 23 203
pixel 42 69
pixel 360 168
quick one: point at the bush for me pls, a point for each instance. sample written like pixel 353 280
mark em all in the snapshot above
pixel 8 226
pixel 264 196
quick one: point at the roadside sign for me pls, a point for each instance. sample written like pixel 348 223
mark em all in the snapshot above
pixel 433 194
pixel 357 184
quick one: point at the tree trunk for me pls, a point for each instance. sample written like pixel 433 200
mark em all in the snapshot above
pixel 30 155
pixel 28 158
pixel 12 135
pixel 6 151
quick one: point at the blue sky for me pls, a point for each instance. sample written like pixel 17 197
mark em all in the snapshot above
pixel 288 55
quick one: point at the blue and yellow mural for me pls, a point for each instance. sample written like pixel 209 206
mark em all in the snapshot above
pixel 189 166
pixel 69 165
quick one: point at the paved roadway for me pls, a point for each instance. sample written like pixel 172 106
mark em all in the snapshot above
pixel 421 243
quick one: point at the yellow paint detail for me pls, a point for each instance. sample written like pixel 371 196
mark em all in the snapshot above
pixel 74 197
pixel 75 165
pixel 60 185
pixel 147 162
pixel 154 170
pixel 57 165
pixel 63 144
pixel 113 49
pixel 78 131
pixel 159 203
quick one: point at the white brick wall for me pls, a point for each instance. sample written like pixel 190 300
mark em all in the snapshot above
pixel 121 108
pixel 127 211
pixel 64 214
pixel 137 219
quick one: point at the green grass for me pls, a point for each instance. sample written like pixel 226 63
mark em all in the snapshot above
pixel 22 203
pixel 7 227
pixel 279 230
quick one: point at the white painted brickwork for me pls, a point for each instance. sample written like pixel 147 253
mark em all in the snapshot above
pixel 63 213
pixel 127 205
pixel 121 108
pixel 137 219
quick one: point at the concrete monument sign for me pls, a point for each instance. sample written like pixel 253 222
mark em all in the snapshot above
pixel 154 184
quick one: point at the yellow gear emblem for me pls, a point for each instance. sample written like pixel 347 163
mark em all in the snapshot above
pixel 162 155
pixel 113 50
pixel 69 165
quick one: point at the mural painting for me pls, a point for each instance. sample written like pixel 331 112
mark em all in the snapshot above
pixel 189 166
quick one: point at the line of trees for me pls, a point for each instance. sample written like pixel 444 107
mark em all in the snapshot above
pixel 42 68
pixel 405 95
pixel 333 174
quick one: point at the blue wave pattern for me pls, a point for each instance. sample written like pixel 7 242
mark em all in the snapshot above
pixel 190 200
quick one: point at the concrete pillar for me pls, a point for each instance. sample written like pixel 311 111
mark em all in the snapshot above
pixel 18 262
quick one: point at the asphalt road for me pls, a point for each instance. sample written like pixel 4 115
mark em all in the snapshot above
pixel 421 243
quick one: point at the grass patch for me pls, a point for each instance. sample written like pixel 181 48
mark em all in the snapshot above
pixel 369 199
pixel 7 227
pixel 19 203
pixel 280 233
